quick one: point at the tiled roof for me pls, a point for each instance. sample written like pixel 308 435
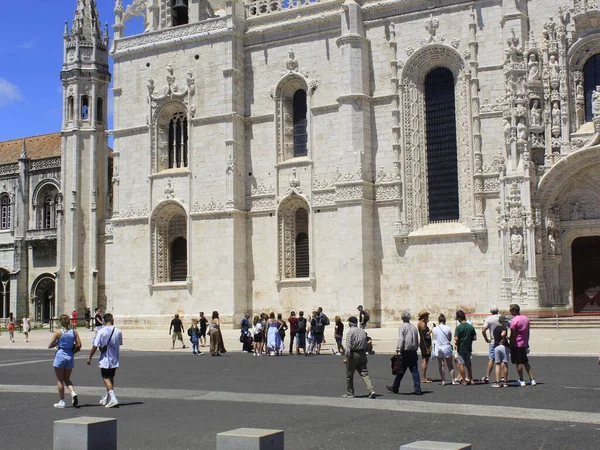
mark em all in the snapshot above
pixel 37 147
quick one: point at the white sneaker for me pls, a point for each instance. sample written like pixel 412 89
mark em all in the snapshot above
pixel 532 382
pixel 60 404
pixel 103 401
pixel 521 383
pixel 113 402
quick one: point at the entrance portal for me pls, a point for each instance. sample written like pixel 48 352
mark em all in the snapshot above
pixel 586 274
pixel 44 299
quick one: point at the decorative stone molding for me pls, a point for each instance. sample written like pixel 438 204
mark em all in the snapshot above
pixel 265 203
pixel 41 234
pixel 108 229
pixel 262 189
pixel 132 214
pixel 210 207
pixel 9 169
pixel 45 164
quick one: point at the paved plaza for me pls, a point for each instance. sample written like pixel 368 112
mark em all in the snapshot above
pixel 175 400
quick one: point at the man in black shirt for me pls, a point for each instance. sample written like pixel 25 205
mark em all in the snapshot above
pixel 98 319
pixel 501 352
pixel 87 314
pixel 176 326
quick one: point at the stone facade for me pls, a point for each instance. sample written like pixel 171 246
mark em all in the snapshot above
pixel 277 155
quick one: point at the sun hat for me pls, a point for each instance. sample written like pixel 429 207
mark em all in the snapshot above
pixel 422 313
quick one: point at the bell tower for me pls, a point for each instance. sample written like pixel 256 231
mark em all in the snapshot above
pixel 82 204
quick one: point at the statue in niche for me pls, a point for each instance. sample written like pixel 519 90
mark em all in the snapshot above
pixel 577 211
pixel 535 115
pixel 533 68
pixel 554 68
pixel 521 131
pixel 555 115
pixel 507 130
pixel 579 91
pixel 596 102
pixel 516 243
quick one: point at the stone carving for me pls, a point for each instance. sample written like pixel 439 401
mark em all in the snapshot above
pixel 596 102
pixel 496 106
pixel 555 115
pixel 108 228
pixel 577 211
pixel 521 131
pixel 263 204
pixel 169 191
pixel 293 68
pixel 211 206
pixel 535 114
pixel 7 169
pixel 171 89
pixel 262 189
pixel 533 68
pixel 294 183
pixel 324 197
pixel 516 243
pixel 554 69
pixel 133 213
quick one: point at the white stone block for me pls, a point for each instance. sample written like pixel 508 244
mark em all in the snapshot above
pixel 90 433
pixel 435 445
pixel 250 439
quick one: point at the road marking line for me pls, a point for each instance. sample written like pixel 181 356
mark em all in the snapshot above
pixel 36 361
pixel 582 388
pixel 501 412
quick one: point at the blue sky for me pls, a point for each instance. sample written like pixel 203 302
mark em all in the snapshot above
pixel 31 53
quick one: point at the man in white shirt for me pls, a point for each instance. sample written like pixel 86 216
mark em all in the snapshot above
pixel 108 339
pixel 490 323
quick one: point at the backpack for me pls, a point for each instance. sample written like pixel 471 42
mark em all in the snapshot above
pixel 366 316
pixel 301 325
pixel 319 326
pixel 326 320
pixel 190 331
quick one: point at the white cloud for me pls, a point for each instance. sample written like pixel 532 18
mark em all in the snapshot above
pixel 28 45
pixel 9 93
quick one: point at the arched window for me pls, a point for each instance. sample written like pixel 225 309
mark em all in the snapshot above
pixel 85 107
pixel 591 79
pixel 5 212
pixel 442 154
pixel 294 239
pixel 179 12
pixel 169 235
pixel 46 206
pixel 178 141
pixel 71 108
pixel 99 110
pixel 299 120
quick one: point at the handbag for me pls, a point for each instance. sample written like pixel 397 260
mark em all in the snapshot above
pixel 434 349
pixel 104 348
pixel 396 364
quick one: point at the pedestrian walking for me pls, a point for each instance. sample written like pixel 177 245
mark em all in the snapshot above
pixel 11 326
pixel 442 335
pixel 363 317
pixel 293 324
pixel 317 327
pixel 301 334
pixel 356 358
pixel 406 349
pixel 464 335
pixel 214 333
pixel 519 343
pixel 67 342
pixel 258 336
pixel 74 319
pixel 338 335
pixel 325 320
pixel 194 334
pixel 26 324
pixel 108 340
pixel 489 324
pixel 87 315
pixel 176 327
pixel 501 352
pixel 98 319
pixel 203 326
pixel 424 342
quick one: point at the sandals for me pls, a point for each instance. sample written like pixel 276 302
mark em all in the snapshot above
pixel 426 380
pixel 467 382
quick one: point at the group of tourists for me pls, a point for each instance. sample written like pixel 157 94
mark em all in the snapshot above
pixel 67 342
pixel 197 333
pixel 507 337
pixel 11 326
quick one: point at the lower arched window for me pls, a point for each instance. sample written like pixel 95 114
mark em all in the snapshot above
pixel 5 212
pixel 169 234
pixel 294 238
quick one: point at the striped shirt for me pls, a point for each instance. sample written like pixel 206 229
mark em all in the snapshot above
pixel 356 340
pixel 408 338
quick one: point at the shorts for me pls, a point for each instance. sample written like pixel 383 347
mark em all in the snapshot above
pixel 177 335
pixel 318 338
pixel 11 327
pixel 491 354
pixel 518 355
pixel 338 340
pixel 464 358
pixel 500 354
pixel 301 340
pixel 444 352
pixel 108 373
pixel 64 360
pixel 202 332
pixel 258 337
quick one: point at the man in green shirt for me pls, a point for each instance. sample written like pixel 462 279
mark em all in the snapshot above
pixel 464 335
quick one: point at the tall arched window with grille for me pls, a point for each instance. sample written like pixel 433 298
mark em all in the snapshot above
pixel 46 206
pixel 299 119
pixel 5 212
pixel 442 151
pixel 178 141
pixel 591 79
pixel 294 239
pixel 169 236
pixel 302 250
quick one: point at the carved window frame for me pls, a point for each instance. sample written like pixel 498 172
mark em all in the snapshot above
pixel 45 202
pixel 161 136
pixel 414 138
pixel 5 212
pixel 286 220
pixel 578 55
pixel 164 229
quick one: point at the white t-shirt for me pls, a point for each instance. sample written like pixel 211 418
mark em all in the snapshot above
pixel 258 328
pixel 490 323
pixel 109 359
pixel 443 336
pixel 26 325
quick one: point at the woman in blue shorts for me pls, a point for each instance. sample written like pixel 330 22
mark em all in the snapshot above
pixel 67 341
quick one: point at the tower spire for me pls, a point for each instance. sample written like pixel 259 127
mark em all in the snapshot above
pixel 86 24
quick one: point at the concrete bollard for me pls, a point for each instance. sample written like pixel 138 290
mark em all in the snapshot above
pixel 250 439
pixel 89 433
pixel 434 445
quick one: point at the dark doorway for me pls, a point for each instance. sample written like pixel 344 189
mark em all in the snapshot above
pixel 586 274
pixel 44 300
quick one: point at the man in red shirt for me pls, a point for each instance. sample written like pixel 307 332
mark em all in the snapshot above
pixel 74 318
pixel 519 343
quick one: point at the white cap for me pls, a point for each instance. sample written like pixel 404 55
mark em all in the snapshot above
pixel 493 309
